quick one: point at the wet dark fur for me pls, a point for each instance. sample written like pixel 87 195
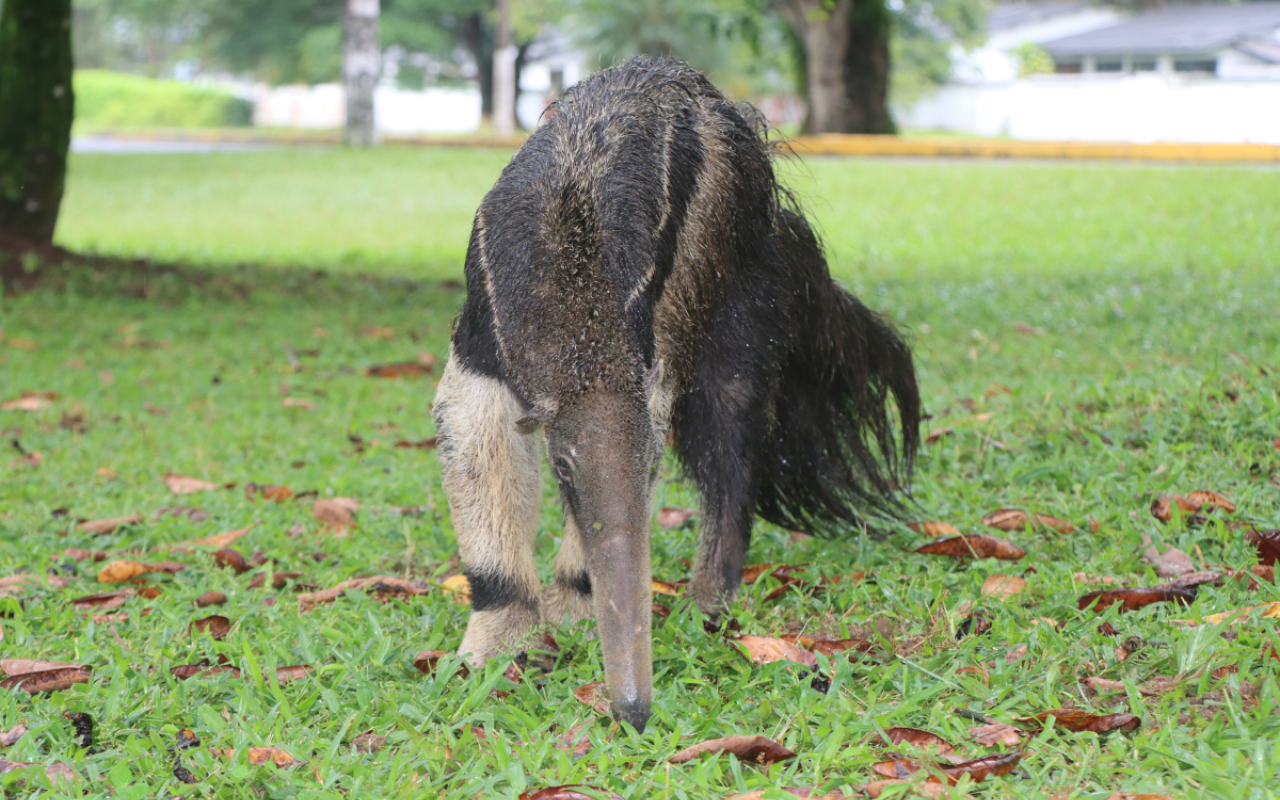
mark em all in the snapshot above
pixel 644 222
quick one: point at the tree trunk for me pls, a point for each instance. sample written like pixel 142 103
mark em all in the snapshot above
pixel 478 38
pixel 846 63
pixel 504 74
pixel 361 68
pixel 36 109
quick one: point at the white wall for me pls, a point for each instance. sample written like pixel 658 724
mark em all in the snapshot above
pixel 396 110
pixel 1137 108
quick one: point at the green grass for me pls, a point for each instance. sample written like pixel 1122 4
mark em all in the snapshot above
pixel 1157 369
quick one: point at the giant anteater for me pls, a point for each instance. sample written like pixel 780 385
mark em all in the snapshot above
pixel 635 271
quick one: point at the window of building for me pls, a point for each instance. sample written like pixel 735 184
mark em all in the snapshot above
pixel 1195 65
pixel 1144 65
pixel 1068 67
pixel 1110 66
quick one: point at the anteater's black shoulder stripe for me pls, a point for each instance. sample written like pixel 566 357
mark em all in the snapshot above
pixel 683 163
pixel 475 341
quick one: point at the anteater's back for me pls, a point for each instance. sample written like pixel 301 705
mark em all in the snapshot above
pixel 610 238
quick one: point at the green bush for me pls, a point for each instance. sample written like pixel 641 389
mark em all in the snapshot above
pixel 117 100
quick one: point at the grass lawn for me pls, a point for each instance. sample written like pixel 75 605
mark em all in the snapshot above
pixel 1092 336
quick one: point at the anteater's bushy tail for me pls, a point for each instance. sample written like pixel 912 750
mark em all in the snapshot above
pixel 840 455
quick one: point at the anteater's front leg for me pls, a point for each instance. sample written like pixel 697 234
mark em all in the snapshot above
pixel 568 598
pixel 491 477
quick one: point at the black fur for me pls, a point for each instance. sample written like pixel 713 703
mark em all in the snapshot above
pixel 644 221
pixel 490 591
pixel 580 583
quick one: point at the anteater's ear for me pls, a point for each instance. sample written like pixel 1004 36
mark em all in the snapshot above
pixel 654 379
pixel 539 414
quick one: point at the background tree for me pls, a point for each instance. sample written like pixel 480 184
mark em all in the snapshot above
pixel 36 109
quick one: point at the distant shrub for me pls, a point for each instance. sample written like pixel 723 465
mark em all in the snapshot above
pixel 117 100
pixel 1032 59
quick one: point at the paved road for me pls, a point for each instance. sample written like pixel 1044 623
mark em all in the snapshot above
pixel 106 144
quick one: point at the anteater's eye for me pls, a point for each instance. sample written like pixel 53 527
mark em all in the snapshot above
pixel 563 470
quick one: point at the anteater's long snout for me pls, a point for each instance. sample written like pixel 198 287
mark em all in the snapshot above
pixel 618 562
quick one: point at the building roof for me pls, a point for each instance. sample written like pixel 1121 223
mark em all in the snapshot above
pixel 1187 29
pixel 1014 15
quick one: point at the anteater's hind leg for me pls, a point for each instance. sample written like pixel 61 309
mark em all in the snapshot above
pixel 719 429
pixel 491 477
pixel 568 598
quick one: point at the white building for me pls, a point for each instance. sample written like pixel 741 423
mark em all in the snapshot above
pixel 1190 74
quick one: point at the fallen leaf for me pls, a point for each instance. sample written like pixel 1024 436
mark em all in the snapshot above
pixel 671 517
pixel 566 792
pixel 1006 519
pixel 35 677
pixel 1193 579
pixel 938 433
pixel 216 625
pixel 757 749
pixel 77 555
pixel 219 541
pixel 400 369
pixel 1169 564
pixel 1053 523
pixel 211 599
pixel 1002 586
pixel 575 740
pixel 1132 599
pixel 975 545
pixel 106 601
pixel 336 513
pixel 664 587
pixel 914 737
pixel 232 559
pixel 1016 654
pixel 1267 544
pixel 299 402
pixel 381 586
pixel 422 444
pixel 368 742
pixel 262 755
pixel 997 734
pixel 179 484
pixel 595 695
pixel 58 774
pixel 979 769
pixel 458 587
pixel 186 671
pixel 1206 498
pixel 1079 721
pixel 766 650
pixel 427 660
pixel 10 737
pixel 29 401
pixel 99 527
pixel 830 647
pixel 752 572
pixel 268 491
pixel 1268 611
pixel 29 460
pixel 877 788
pixel 297 672
pixel 121 571
pixel 934 529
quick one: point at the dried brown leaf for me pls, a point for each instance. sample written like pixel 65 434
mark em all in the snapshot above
pixel 1267 544
pixel 336 511
pixel 975 545
pixel 997 733
pixel 219 541
pixel 10 737
pixel 595 695
pixel 297 672
pixel 400 369
pixel 211 599
pixel 1207 500
pixel 100 527
pixel 106 601
pixel 48 680
pixel 1006 519
pixel 262 755
pixel 1169 564
pixel 186 671
pixel 877 788
pixel 1079 721
pixel 427 660
pixel 914 737
pixel 1134 598
pixel 934 529
pixel 215 625
pixel 232 559
pixel 1002 586
pixel 671 517
pixel 179 484
pixel 756 749
pixel 766 650
pixel 567 792
pixel 121 571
